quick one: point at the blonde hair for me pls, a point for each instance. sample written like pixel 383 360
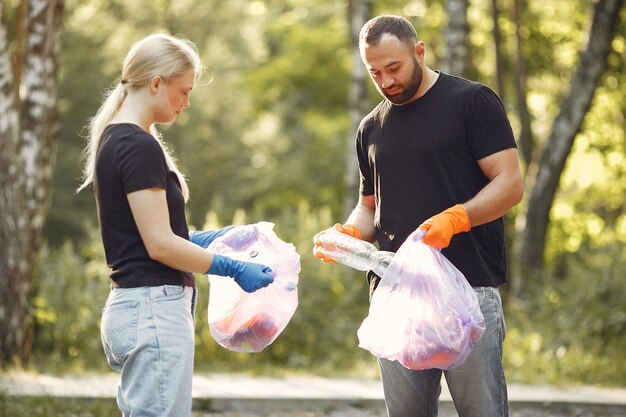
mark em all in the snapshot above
pixel 156 55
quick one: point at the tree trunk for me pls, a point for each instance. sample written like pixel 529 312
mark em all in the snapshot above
pixel 497 46
pixel 359 12
pixel 566 126
pixel 456 59
pixel 21 20
pixel 28 137
pixel 526 140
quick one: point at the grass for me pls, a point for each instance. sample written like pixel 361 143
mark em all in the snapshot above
pixel 46 406
pixel 57 407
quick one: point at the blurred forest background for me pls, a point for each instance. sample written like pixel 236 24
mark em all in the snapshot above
pixel 269 136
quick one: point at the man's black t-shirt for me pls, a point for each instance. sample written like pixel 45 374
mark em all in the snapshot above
pixel 129 159
pixel 421 158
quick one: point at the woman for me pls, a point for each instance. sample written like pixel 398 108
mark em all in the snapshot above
pixel 147 322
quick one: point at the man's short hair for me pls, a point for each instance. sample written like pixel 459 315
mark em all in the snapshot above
pixel 374 29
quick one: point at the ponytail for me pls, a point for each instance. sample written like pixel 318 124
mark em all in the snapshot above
pixel 113 100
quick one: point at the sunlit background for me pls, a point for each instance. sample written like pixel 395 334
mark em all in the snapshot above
pixel 266 138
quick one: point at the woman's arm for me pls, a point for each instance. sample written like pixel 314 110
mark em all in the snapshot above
pixel 152 217
pixel 149 208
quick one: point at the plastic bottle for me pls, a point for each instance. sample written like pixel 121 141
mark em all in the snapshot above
pixel 353 252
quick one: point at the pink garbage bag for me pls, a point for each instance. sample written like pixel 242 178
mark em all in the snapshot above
pixel 424 313
pixel 249 322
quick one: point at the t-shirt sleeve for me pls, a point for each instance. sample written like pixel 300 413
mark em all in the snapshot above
pixel 489 129
pixel 366 185
pixel 141 163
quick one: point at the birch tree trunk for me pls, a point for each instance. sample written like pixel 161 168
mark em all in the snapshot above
pixel 456 58
pixel 359 12
pixel 28 138
pixel 566 126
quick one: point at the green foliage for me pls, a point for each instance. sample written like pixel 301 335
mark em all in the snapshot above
pixel 571 329
pixel 266 140
pixel 71 291
pixel 299 89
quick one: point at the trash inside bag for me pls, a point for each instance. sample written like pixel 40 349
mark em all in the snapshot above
pixel 424 313
pixel 249 322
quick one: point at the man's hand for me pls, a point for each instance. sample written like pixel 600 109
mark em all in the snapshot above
pixel 441 227
pixel 348 229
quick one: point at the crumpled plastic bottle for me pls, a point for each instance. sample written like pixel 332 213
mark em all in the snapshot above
pixel 353 252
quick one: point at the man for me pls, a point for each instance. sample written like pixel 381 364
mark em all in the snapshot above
pixel 437 153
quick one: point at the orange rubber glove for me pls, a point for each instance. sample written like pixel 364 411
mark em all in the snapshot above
pixel 348 229
pixel 441 227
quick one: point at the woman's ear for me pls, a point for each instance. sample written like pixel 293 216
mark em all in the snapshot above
pixel 155 83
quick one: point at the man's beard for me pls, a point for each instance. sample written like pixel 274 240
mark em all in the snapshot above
pixel 410 90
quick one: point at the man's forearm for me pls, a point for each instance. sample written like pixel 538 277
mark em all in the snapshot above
pixel 504 190
pixel 363 217
pixel 493 201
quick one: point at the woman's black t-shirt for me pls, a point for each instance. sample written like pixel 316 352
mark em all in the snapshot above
pixel 421 158
pixel 129 159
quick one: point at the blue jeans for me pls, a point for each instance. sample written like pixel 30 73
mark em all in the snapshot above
pixel 148 335
pixel 478 386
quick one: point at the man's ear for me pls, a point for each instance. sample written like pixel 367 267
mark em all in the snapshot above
pixel 420 50
pixel 155 83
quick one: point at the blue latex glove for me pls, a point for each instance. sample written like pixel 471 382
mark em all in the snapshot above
pixel 250 276
pixel 205 238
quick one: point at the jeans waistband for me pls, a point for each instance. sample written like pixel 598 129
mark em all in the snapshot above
pixel 484 289
pixel 116 285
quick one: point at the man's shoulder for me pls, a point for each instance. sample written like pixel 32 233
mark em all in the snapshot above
pixel 376 113
pixel 465 94
pixel 460 86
